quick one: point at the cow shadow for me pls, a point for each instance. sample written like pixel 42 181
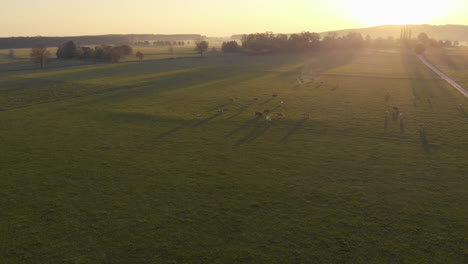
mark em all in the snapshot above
pixel 425 143
pixel 293 130
pixel 254 133
pixel 204 121
pixel 174 130
pixel 266 101
pixel 240 111
pixel 217 107
pixel 244 126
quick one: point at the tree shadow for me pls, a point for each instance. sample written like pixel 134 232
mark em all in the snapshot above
pixel 293 130
pixel 240 111
pixel 417 73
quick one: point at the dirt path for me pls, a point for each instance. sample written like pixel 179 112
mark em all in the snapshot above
pixel 443 76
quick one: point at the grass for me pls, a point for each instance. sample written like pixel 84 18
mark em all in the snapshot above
pixel 451 61
pixel 107 164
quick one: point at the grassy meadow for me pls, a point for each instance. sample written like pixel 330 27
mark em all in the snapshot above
pixel 453 62
pixel 107 163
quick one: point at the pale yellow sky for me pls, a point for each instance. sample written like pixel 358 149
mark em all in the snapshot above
pixel 217 17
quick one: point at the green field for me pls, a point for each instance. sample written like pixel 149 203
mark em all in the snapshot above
pixel 453 62
pixel 107 163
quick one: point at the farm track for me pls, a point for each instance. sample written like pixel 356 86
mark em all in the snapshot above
pixel 371 77
pixel 443 76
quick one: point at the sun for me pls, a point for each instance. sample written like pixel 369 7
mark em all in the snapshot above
pixel 397 12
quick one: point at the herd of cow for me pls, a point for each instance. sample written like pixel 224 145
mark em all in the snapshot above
pixel 266 113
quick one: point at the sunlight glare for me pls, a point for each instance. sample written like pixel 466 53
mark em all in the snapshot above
pixel 397 12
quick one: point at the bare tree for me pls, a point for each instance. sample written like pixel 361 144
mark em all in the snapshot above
pixel 40 55
pixel 201 47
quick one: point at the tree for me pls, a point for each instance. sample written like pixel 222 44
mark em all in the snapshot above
pixel 69 50
pixel 423 38
pixel 40 55
pixel 419 48
pixel 201 47
pixel 125 50
pixel 116 53
pixel 456 43
pixel 139 55
pixel 230 46
pixel 11 53
pixel 405 35
pixel 88 53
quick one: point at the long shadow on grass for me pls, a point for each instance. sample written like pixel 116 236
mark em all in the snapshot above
pixel 293 130
pixel 422 80
pixel 217 107
pixel 240 111
pixel 463 112
pixel 266 101
pixel 204 121
pixel 174 130
pixel 245 125
pixel 254 133
pixel 425 144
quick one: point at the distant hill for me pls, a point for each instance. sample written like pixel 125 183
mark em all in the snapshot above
pixel 444 32
pixel 450 32
pixel 28 42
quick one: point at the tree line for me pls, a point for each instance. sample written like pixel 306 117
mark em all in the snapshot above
pixel 268 42
pixel 305 41
pixel 160 43
pixel 29 42
pixel 70 50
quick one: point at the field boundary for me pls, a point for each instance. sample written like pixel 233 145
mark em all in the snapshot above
pixel 443 76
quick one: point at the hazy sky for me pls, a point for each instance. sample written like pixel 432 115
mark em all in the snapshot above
pixel 217 17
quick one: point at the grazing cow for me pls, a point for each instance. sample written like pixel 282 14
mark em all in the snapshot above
pixel 266 111
pixel 255 99
pixel 232 100
pixel 396 108
pixel 268 118
pixel 421 126
pixel 279 115
pixel 198 116
pixel 305 115
pixel 222 110
pixel 274 95
pixel 258 114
